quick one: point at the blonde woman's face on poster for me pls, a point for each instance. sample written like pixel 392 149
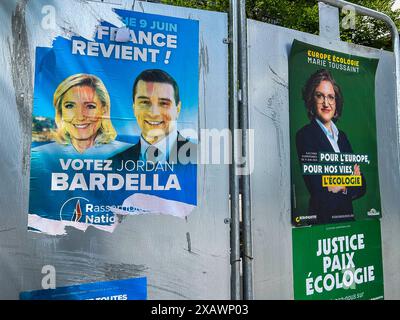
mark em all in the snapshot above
pixel 82 112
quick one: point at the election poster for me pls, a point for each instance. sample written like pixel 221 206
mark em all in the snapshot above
pixel 333 144
pixel 115 121
pixel 126 289
pixel 338 261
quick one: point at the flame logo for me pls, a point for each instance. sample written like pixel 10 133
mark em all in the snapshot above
pixel 77 212
pixel 71 210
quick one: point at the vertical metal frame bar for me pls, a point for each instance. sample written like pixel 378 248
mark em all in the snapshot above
pixel 245 178
pixel 233 125
pixel 238 119
pixel 396 46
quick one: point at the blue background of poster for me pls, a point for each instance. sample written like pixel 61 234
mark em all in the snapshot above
pixel 55 64
pixel 134 289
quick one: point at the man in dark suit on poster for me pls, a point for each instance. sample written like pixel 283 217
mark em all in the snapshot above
pixel 157 105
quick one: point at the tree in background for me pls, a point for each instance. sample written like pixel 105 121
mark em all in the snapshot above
pixel 302 15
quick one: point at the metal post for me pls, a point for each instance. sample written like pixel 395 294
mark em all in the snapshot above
pixel 396 45
pixel 328 21
pixel 245 178
pixel 234 124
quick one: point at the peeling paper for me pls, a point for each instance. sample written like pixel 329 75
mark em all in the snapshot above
pixel 148 204
pixel 55 18
pixel 57 227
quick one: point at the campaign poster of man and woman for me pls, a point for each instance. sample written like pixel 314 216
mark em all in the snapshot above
pixel 115 124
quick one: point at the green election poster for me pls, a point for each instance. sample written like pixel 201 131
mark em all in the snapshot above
pixel 338 262
pixel 334 161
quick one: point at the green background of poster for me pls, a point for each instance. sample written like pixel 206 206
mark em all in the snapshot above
pixel 358 121
pixel 305 260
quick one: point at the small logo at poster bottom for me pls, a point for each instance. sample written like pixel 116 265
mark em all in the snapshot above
pixel 71 210
pixel 299 219
pixel 79 209
pixel 77 213
pixel 373 212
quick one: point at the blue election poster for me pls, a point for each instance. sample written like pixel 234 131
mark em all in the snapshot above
pixel 129 289
pixel 115 122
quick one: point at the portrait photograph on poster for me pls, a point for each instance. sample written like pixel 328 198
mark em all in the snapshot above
pixel 115 123
pixel 333 144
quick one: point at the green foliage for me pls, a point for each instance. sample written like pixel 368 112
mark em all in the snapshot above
pixel 216 5
pixel 299 15
pixel 370 32
pixel 302 15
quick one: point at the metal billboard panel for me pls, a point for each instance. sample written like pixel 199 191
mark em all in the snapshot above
pixel 270 181
pixel 181 258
